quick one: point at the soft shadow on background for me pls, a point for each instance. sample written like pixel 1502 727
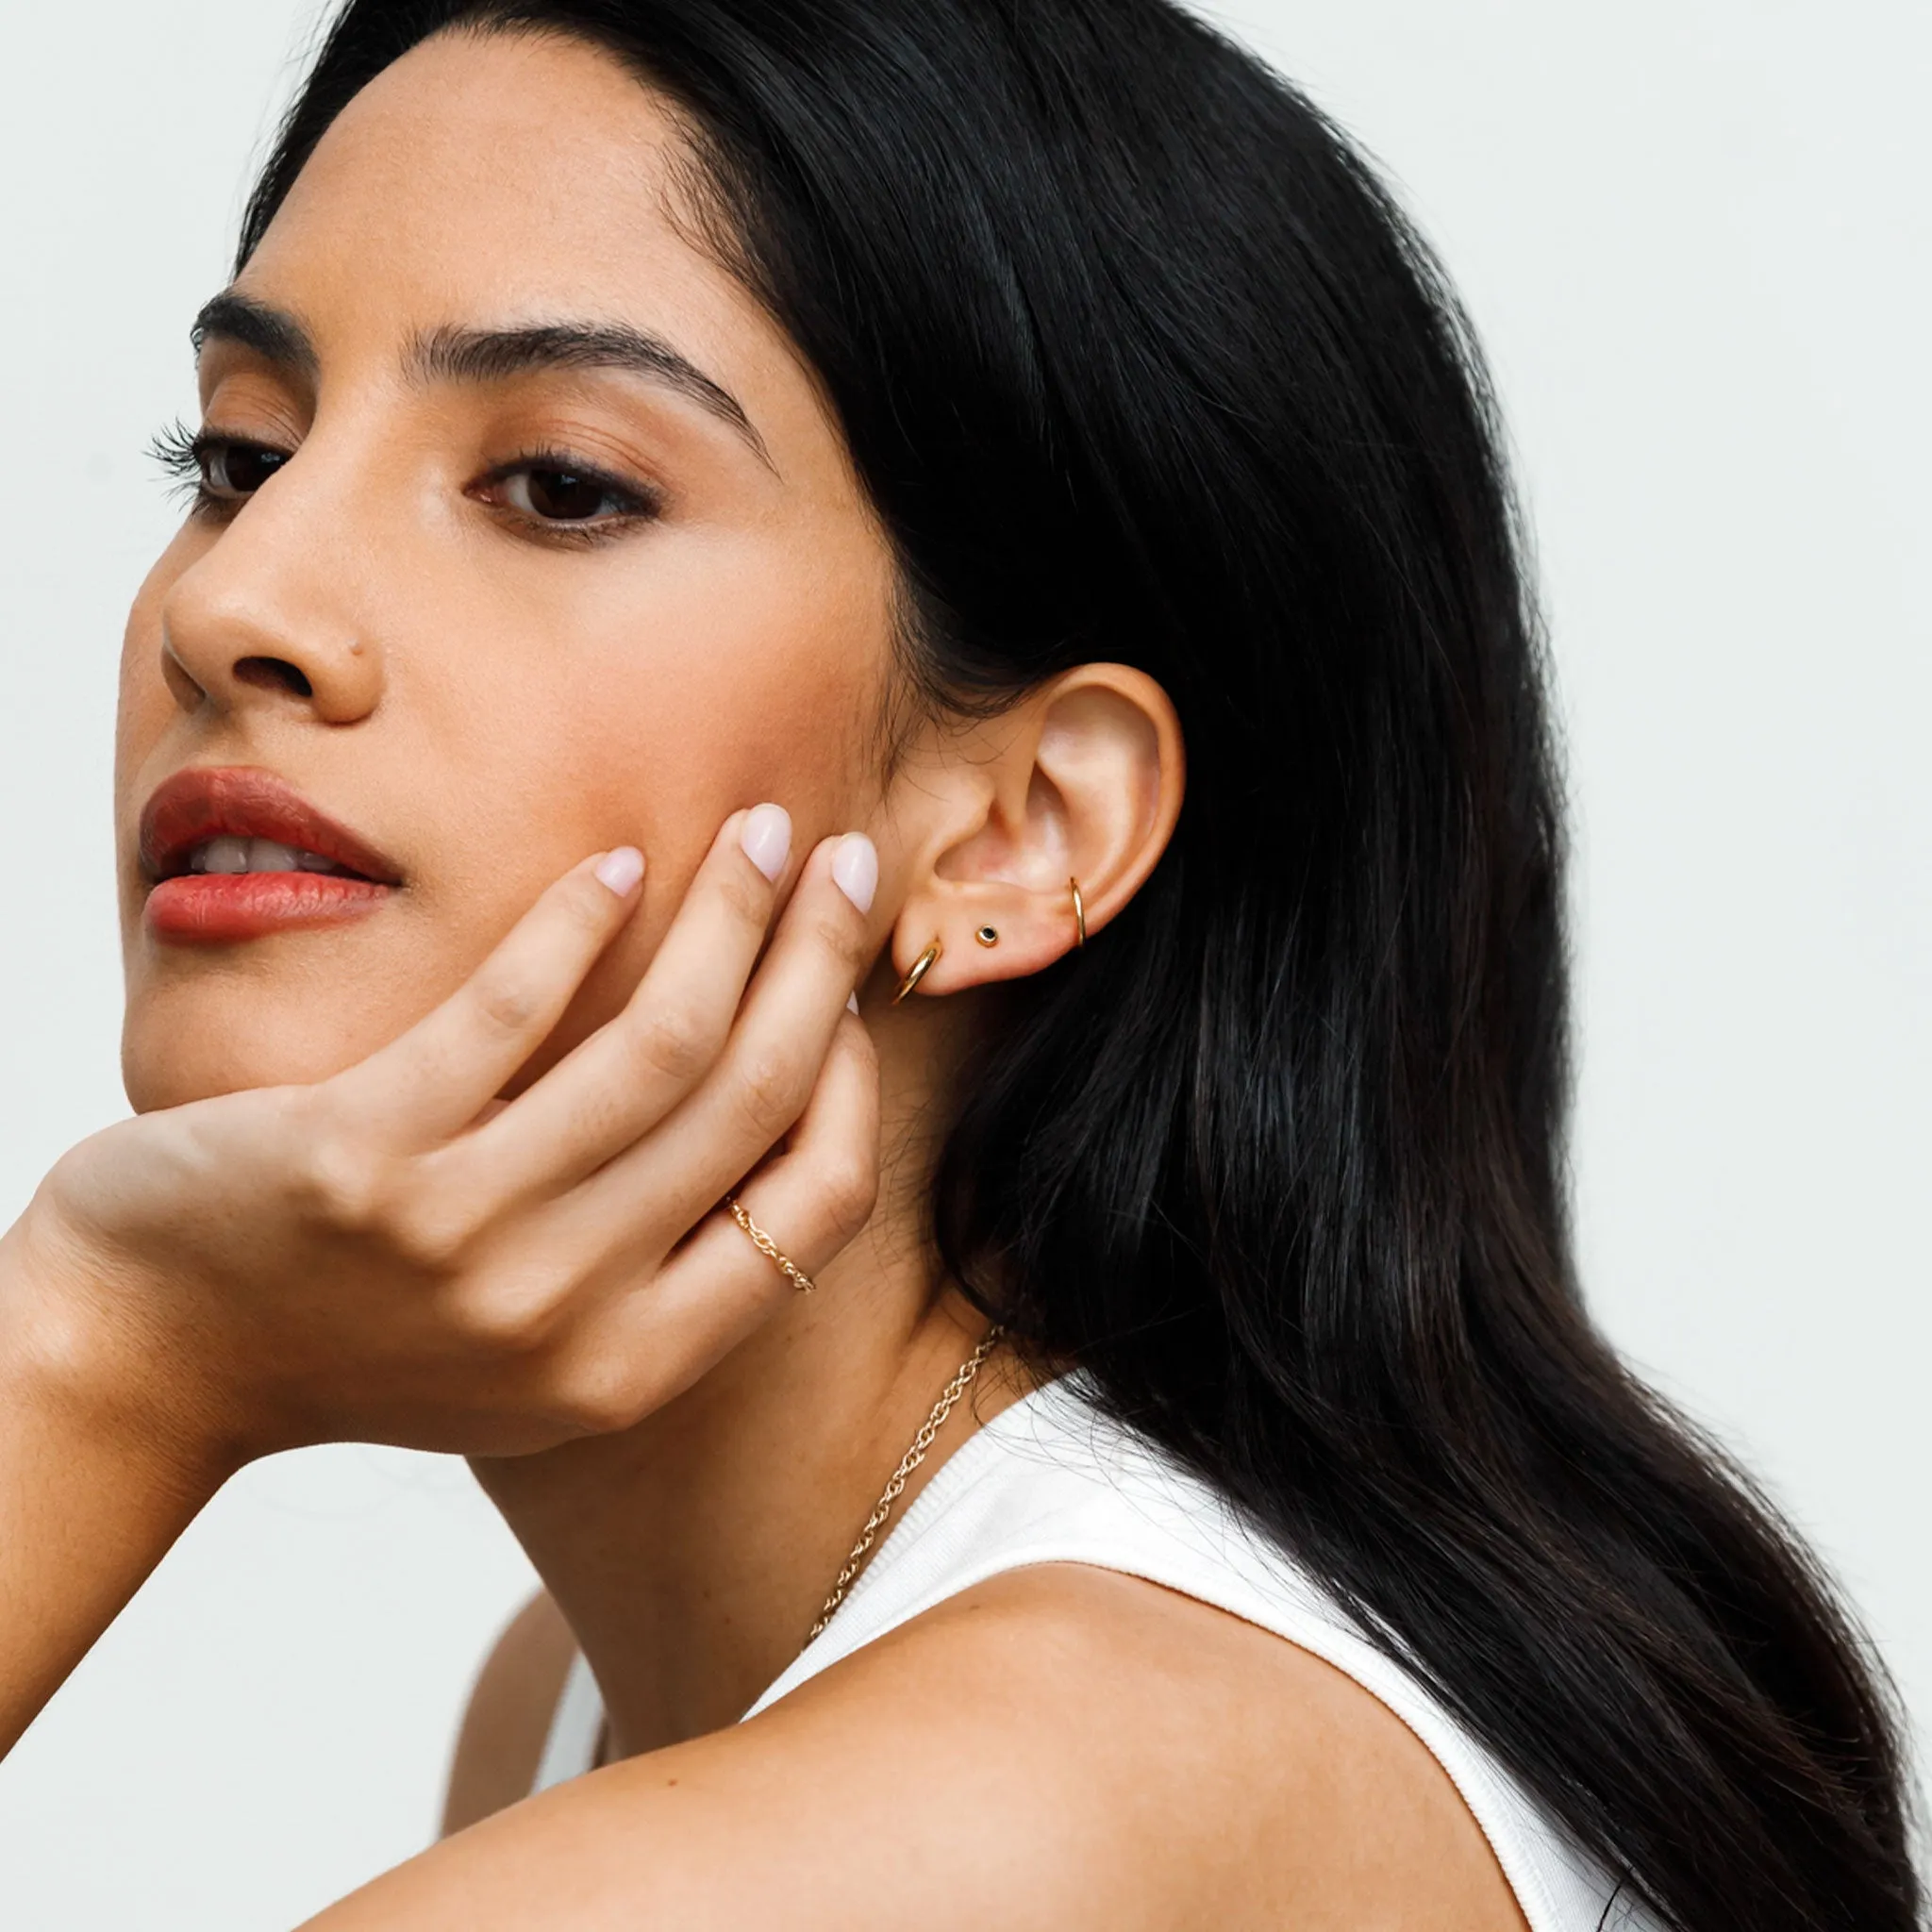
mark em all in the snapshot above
pixel 1694 235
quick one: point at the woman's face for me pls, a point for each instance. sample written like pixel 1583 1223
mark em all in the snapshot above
pixel 557 549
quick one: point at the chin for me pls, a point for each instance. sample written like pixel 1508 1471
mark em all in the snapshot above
pixel 173 1050
pixel 292 1011
pixel 202 1024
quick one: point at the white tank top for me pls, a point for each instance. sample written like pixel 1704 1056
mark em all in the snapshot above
pixel 1051 1481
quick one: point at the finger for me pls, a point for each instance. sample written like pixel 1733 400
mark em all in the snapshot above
pixel 770 1068
pixel 813 1200
pixel 438 1076
pixel 637 1067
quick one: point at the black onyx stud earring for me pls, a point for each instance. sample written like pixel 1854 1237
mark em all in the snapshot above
pixel 987 936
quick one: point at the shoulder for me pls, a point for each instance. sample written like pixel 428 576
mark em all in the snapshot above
pixel 1200 1769
pixel 1059 1747
pixel 508 1714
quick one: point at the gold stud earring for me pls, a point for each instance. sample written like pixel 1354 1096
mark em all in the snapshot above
pixel 1080 914
pixel 988 935
pixel 921 967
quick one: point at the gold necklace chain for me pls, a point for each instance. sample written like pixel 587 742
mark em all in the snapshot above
pixel 911 1459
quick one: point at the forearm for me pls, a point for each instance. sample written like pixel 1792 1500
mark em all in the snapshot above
pixel 93 1491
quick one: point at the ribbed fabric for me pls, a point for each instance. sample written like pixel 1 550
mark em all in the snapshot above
pixel 1050 1480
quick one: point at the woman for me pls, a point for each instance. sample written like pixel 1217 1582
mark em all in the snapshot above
pixel 929 417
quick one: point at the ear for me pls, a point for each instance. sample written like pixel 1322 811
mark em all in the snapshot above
pixel 1081 780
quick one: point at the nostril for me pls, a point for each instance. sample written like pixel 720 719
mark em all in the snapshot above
pixel 274 673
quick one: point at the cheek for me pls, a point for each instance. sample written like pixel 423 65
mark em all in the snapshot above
pixel 654 709
pixel 657 690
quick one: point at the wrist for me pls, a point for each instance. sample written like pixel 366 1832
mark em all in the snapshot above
pixel 75 1351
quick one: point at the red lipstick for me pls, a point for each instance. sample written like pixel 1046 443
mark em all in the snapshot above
pixel 233 853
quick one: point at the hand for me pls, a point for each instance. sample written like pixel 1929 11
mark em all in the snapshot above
pixel 393 1255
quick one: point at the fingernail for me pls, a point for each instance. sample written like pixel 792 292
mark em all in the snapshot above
pixel 856 868
pixel 766 836
pixel 852 1003
pixel 620 869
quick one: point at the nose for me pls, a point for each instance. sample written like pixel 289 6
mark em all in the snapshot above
pixel 265 618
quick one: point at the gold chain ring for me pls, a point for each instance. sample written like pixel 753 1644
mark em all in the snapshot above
pixel 769 1248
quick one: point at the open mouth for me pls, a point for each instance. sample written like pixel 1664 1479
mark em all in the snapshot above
pixel 234 853
pixel 228 856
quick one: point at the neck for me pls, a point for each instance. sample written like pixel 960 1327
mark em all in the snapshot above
pixel 692 1553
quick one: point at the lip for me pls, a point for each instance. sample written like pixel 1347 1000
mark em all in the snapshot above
pixel 220 908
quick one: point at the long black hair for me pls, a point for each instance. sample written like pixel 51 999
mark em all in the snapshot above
pixel 1139 361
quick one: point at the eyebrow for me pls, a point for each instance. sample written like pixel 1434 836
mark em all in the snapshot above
pixel 278 338
pixel 489 355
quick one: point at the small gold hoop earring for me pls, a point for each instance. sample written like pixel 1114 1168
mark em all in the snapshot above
pixel 921 967
pixel 1080 914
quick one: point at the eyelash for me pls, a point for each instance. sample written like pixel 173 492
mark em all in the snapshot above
pixel 184 455
pixel 179 452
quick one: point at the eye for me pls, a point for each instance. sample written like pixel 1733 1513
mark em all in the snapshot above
pixel 551 489
pixel 217 471
pixel 236 469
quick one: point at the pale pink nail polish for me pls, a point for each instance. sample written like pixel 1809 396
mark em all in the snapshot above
pixel 856 868
pixel 852 1003
pixel 620 869
pixel 766 836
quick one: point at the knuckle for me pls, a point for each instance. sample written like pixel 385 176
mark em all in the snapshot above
pixel 846 1189
pixel 842 935
pixel 588 903
pixel 347 1183
pixel 506 1006
pixel 670 1041
pixel 382 1202
pixel 769 1099
pixel 745 894
pixel 513 1315
pixel 600 1402
pixel 431 1234
pixel 304 1115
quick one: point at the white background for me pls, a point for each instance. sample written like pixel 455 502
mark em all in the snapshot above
pixel 1694 234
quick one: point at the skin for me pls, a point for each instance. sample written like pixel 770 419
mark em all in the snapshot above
pixel 468 1152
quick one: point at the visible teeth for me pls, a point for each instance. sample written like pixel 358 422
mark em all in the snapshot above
pixel 222 854
pixel 231 854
